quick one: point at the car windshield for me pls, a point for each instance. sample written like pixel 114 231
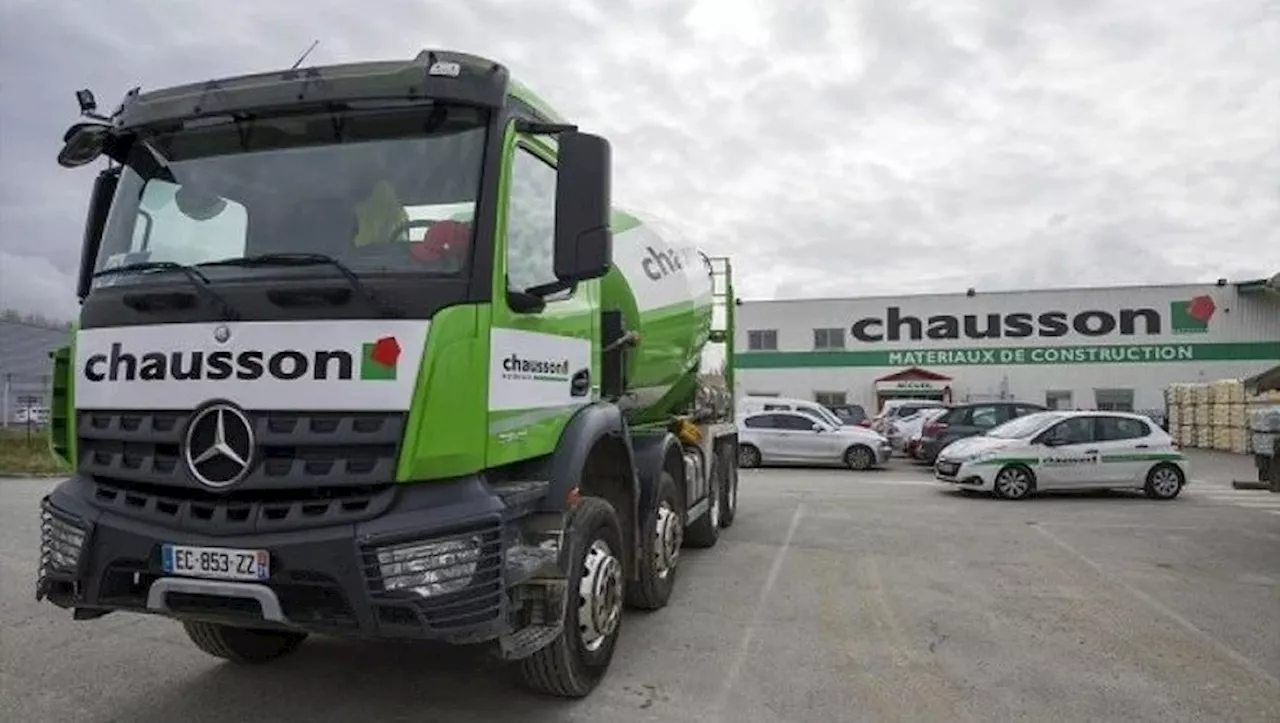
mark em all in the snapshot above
pixel 1025 426
pixel 356 185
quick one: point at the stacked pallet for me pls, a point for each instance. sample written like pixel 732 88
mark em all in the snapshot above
pixel 1264 422
pixel 1213 415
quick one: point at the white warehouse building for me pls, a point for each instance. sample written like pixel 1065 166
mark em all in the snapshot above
pixel 1097 348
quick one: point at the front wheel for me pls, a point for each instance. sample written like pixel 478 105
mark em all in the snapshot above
pixel 1014 482
pixel 242 645
pixel 1164 482
pixel 859 457
pixel 573 664
pixel 748 456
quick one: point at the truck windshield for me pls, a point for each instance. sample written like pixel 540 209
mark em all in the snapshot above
pixel 361 186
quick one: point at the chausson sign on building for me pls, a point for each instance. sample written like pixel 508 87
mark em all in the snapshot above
pixel 1175 330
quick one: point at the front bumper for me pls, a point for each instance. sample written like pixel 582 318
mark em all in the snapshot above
pixel 884 452
pixel 966 475
pixel 101 552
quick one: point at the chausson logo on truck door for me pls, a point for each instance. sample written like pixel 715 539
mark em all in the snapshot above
pixel 896 326
pixel 545 370
pixel 378 361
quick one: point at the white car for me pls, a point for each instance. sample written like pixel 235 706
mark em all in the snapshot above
pixel 750 405
pixel 1066 450
pixel 781 437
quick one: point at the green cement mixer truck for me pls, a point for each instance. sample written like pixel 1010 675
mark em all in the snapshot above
pixel 366 350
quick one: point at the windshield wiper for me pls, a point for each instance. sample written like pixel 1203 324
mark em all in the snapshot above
pixel 311 259
pixel 197 279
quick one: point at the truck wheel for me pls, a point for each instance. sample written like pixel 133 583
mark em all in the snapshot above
pixel 729 505
pixel 242 645
pixel 662 534
pixel 572 665
pixel 706 531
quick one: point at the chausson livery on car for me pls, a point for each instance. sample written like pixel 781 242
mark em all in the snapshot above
pixel 1066 451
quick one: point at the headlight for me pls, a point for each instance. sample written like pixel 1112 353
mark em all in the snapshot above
pixel 430 568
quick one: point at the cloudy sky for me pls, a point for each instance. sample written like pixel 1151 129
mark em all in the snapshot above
pixel 846 147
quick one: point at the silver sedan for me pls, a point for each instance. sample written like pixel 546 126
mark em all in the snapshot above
pixel 797 438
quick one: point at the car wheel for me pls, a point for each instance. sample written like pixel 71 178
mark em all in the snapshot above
pixel 1014 482
pixel 1164 482
pixel 859 457
pixel 748 456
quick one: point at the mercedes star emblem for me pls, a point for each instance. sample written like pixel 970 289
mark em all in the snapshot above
pixel 218 448
pixel 221 333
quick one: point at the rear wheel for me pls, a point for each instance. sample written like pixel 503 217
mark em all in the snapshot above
pixel 572 665
pixel 660 551
pixel 1164 482
pixel 705 532
pixel 242 645
pixel 729 506
pixel 859 457
pixel 748 456
pixel 1014 482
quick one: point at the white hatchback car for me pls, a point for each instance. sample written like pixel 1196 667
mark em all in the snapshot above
pixel 782 437
pixel 1066 450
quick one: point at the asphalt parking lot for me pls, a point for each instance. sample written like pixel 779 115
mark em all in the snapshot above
pixel 837 596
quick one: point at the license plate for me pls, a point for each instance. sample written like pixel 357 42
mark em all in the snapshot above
pixel 220 563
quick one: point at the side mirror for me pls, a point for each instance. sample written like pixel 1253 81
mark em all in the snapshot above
pixel 83 143
pixel 584 240
pixel 104 190
pixel 818 427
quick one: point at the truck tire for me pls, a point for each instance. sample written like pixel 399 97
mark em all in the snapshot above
pixel 705 532
pixel 729 503
pixel 575 662
pixel 662 534
pixel 242 645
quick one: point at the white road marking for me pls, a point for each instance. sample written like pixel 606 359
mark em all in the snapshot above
pixel 1163 609
pixel 748 635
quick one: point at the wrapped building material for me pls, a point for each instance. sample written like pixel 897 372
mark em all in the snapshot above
pixel 1265 419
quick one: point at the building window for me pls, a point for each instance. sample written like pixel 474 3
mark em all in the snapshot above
pixel 762 340
pixel 827 399
pixel 1057 399
pixel 1113 400
pixel 763 394
pixel 828 338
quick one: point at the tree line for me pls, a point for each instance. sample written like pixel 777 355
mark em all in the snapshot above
pixel 40 320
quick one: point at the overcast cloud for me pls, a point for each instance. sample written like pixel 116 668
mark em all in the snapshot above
pixel 832 148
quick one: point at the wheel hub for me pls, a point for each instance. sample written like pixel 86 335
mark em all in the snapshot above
pixel 668 534
pixel 599 595
pixel 1165 482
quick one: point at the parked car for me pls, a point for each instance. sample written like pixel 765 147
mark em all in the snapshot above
pixel 915 430
pixel 1067 450
pixel 968 420
pixel 897 409
pixel 850 414
pixel 794 438
pixel 749 405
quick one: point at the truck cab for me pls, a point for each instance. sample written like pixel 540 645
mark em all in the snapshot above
pixel 352 360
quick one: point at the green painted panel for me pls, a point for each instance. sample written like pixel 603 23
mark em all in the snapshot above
pixel 445 432
pixel 1023 355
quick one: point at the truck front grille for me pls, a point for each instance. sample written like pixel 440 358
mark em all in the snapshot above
pixel 243 511
pixel 294 449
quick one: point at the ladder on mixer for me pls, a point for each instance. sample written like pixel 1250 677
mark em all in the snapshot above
pixel 723 303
